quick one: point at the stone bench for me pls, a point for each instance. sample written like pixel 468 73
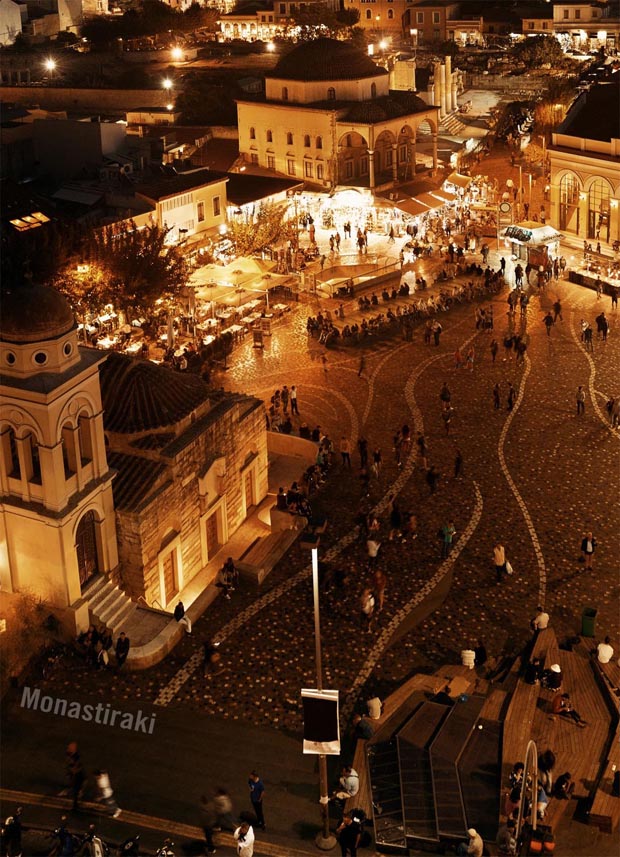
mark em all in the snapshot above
pixel 259 560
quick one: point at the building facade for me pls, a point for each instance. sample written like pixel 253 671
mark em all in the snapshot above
pixel 329 117
pixel 191 466
pixel 585 166
pixel 113 467
pixel 57 524
pixel 187 203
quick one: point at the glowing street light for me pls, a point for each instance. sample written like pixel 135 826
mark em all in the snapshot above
pixel 169 107
pixel 167 84
pixel 270 47
pixel 177 54
pixel 50 64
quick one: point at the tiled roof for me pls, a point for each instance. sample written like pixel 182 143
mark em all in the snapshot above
pixel 164 186
pixel 139 396
pixel 134 481
pixel 326 59
pixel 383 108
pixel 243 188
pixel 596 115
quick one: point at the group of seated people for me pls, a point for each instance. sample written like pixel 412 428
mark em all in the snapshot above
pixel 95 645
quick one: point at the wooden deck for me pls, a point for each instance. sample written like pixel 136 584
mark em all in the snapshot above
pixel 605 809
pixel 582 751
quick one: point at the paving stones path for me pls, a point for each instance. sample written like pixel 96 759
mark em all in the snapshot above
pixel 536 478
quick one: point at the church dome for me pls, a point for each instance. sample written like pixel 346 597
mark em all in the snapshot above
pixel 326 59
pixel 32 313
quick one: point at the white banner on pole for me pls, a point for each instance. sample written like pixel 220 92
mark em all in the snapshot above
pixel 321 722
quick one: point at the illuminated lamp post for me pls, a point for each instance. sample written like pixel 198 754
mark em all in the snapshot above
pixel 50 67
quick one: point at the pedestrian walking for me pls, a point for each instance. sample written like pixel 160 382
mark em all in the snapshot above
pixel 257 793
pixel 122 649
pixel 362 365
pixel 446 416
pixel 377 461
pixel 493 348
pixel 499 559
pixel 548 322
pixel 458 464
pixel 588 546
pixel 581 400
pixel 458 359
pixel 512 395
pixel 496 397
pixel 345 451
pixel 437 328
pixel 380 584
pixel 324 362
pixel 432 478
pixel 223 810
pixel 285 396
pixel 208 819
pixel 471 356
pixel 105 792
pixel 244 837
pixel 447 532
pixel 367 604
pixel 362 447
pixel 557 311
pixel 445 394
pixel 293 400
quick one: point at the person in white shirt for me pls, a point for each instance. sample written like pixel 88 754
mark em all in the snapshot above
pixel 540 620
pixel 349 784
pixel 604 652
pixel 475 846
pixel 245 840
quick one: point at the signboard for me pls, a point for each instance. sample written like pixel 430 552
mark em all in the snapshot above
pixel 321 722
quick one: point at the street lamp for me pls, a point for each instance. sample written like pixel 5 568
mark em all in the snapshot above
pixel 270 47
pixel 50 66
pixel 325 840
pixel 167 84
pixel 177 54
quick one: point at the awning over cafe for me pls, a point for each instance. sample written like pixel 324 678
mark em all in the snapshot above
pixel 458 180
pixel 412 206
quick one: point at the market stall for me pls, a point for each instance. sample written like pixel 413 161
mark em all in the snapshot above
pixel 532 242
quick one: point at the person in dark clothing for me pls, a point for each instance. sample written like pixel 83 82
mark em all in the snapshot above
pixel 122 649
pixel 208 818
pixel 480 654
pixel 362 727
pixel 12 834
pixel 432 478
pixel 564 787
pixel 257 792
pixel 348 833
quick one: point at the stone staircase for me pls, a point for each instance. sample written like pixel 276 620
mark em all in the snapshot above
pixel 452 125
pixel 108 605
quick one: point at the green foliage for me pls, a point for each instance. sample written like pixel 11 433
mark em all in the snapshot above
pixel 536 51
pixel 270 227
pixel 26 633
pixel 131 270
